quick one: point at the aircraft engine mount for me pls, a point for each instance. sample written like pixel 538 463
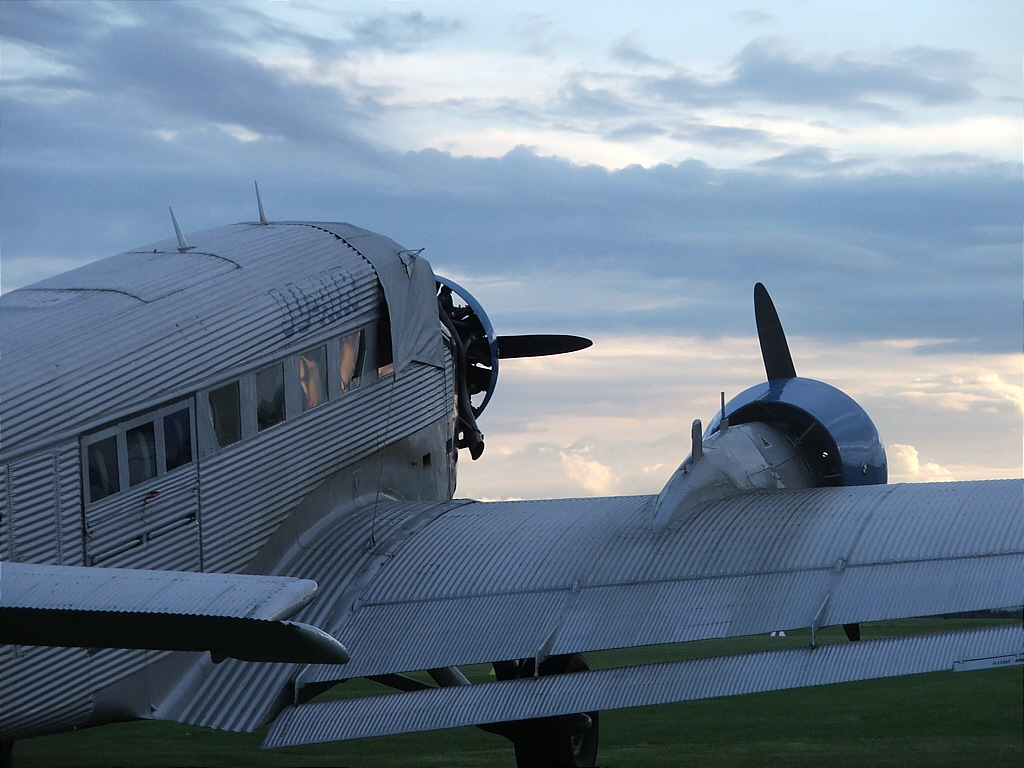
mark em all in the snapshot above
pixel 477 349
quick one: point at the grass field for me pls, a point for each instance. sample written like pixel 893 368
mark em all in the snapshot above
pixel 941 719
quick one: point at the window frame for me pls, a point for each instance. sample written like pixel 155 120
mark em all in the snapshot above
pixel 280 414
pixel 119 432
pixel 87 442
pixel 240 413
pixel 323 368
pixel 364 373
pixel 336 358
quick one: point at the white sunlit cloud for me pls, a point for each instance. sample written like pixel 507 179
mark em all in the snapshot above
pixel 591 474
pixel 905 466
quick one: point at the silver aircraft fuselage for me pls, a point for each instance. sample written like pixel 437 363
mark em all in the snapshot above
pixel 180 409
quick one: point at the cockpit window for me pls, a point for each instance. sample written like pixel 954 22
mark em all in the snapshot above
pixel 385 356
pixel 313 377
pixel 224 413
pixel 141 441
pixel 103 473
pixel 269 396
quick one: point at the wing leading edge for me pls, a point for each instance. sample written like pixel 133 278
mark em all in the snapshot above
pixel 229 615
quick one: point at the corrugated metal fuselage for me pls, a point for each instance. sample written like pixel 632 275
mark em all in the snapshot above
pixel 117 451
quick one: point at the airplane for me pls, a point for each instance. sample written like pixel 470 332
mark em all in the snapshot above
pixel 228 485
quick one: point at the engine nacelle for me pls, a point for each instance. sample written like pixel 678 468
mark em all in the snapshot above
pixel 835 434
pixel 786 433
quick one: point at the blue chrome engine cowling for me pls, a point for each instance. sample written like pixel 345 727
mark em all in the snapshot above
pixel 836 436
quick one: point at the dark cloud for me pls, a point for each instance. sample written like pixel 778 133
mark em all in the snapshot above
pixel 767 67
pixel 180 67
pixel 629 50
pixel 634 131
pixel 401 32
pixel 576 99
pixel 176 75
pixel 669 249
pixel 725 136
pixel 52 26
pixel 931 250
pixel 768 70
pixel 193 82
pixel 807 159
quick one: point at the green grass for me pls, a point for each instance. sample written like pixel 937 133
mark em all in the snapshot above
pixel 941 719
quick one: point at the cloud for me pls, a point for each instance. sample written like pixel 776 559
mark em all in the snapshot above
pixel 726 136
pixel 637 130
pixel 769 70
pixel 165 71
pixel 636 250
pixel 595 477
pixel 402 32
pixel 541 34
pixel 581 101
pixel 53 26
pixel 754 16
pixel 981 390
pixel 905 466
pixel 808 159
pixel 629 49
pixel 614 194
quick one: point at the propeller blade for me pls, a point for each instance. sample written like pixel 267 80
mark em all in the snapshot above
pixel 778 362
pixel 539 345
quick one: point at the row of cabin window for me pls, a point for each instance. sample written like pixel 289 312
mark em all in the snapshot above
pixel 151 445
pixel 323 372
pixel 145 447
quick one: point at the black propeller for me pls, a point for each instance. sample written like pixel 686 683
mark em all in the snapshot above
pixel 477 350
pixel 778 362
pixel 539 345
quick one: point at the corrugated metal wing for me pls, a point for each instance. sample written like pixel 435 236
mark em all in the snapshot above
pixel 469 582
pixel 126 590
pixel 621 687
pixel 502 580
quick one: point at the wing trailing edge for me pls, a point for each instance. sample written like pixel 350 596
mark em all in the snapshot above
pixel 622 687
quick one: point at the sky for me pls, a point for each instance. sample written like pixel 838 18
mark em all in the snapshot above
pixel 624 171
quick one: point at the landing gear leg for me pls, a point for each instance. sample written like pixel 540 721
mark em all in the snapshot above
pixel 565 740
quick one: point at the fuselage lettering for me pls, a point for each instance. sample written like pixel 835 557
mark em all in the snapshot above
pixel 314 301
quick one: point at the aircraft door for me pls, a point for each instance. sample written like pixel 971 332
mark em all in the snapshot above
pixel 141 492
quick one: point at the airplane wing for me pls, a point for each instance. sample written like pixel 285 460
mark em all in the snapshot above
pixel 427 586
pixel 230 615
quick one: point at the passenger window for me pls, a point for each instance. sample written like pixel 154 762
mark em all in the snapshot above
pixel 313 377
pixel 103 476
pixel 177 439
pixel 224 414
pixel 353 349
pixel 269 396
pixel 141 453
